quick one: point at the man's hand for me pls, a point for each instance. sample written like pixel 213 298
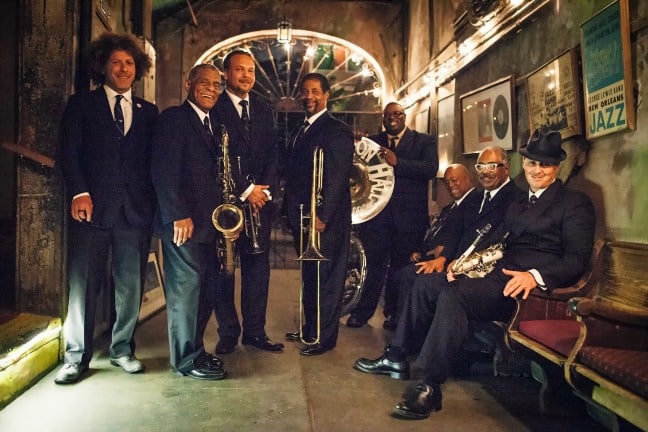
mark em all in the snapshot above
pixel 319 225
pixel 257 198
pixel 389 156
pixel 182 231
pixel 519 282
pixel 415 257
pixel 81 208
pixel 431 266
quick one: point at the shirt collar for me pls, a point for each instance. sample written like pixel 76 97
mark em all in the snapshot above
pixel 201 114
pixel 235 99
pixel 110 93
pixel 312 119
pixel 539 191
pixel 494 191
pixel 398 137
pixel 460 200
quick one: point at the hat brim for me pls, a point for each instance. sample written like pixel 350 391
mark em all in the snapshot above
pixel 544 158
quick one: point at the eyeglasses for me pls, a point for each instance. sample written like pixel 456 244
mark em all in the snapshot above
pixel 491 166
pixel 398 114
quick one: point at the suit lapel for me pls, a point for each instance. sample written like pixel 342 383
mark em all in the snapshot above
pixel 199 129
pixel 527 215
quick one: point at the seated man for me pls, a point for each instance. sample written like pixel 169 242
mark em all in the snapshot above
pixel 550 237
pixel 479 208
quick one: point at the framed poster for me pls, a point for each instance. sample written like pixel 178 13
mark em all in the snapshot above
pixel 607 72
pixel 153 298
pixel 487 116
pixel 445 132
pixel 554 96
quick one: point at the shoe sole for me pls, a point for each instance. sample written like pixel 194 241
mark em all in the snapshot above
pixel 394 375
pixel 134 371
pixel 409 415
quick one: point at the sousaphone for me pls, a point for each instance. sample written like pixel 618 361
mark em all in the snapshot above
pixel 371 184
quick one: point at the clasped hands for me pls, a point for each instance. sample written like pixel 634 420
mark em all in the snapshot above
pixel 259 196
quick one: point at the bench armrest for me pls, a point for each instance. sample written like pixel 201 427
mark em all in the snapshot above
pixel 609 309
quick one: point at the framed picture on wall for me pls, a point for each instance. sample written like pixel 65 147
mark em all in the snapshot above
pixel 607 71
pixel 487 116
pixel 554 96
pixel 445 132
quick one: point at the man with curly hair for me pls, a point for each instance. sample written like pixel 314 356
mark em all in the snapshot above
pixel 105 159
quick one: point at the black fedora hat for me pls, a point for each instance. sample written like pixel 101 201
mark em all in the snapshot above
pixel 544 146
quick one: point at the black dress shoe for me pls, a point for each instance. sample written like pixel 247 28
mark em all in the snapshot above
pixel 210 360
pixel 314 350
pixel 355 322
pixel 205 373
pixel 383 366
pixel 263 343
pixel 419 402
pixel 294 336
pixel 226 346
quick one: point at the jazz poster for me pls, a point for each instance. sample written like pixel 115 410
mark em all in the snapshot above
pixel 607 80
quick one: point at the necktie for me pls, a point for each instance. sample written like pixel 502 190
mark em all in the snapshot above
pixel 300 132
pixel 207 125
pixel 392 144
pixel 245 118
pixel 486 199
pixel 119 114
pixel 532 200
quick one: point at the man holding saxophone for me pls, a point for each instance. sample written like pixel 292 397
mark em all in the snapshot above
pixel 324 187
pixel 185 177
pixel 253 153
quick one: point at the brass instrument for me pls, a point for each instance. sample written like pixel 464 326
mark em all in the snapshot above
pixel 227 218
pixel 312 251
pixel 252 222
pixel 479 264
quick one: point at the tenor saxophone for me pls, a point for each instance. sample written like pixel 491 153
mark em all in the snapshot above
pixel 227 218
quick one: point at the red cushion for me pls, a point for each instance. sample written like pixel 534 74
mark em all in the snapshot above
pixel 559 335
pixel 627 368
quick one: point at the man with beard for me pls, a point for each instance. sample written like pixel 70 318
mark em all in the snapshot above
pixel 550 236
pixel 389 237
pixel 333 214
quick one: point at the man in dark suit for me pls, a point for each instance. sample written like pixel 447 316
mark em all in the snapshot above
pixel 333 214
pixel 253 148
pixel 389 237
pixel 105 161
pixel 185 168
pixel 550 237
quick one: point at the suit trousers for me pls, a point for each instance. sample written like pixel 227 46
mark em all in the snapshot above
pixel 190 272
pixel 89 251
pixel 255 280
pixel 437 317
pixel 387 250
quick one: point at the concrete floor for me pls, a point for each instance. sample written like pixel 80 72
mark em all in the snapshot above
pixel 274 392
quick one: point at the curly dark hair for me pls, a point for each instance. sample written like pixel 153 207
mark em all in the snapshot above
pixel 102 47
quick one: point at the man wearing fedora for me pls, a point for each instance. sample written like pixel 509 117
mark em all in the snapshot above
pixel 550 237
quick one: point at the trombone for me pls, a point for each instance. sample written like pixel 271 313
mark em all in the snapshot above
pixel 312 251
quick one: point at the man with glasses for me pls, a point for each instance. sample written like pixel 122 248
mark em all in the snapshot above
pixel 388 238
pixel 550 237
pixel 486 206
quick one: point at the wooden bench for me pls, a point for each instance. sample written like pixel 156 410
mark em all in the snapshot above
pixel 544 330
pixel 608 366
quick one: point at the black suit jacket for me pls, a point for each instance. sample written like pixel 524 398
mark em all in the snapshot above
pixel 555 236
pixel 114 169
pixel 492 213
pixel 185 171
pixel 418 162
pixel 258 152
pixel 336 140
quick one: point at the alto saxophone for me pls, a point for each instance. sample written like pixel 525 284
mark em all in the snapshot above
pixel 479 264
pixel 227 218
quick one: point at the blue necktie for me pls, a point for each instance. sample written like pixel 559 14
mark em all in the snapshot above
pixel 119 114
pixel 245 118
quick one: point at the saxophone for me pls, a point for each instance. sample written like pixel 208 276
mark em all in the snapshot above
pixel 479 264
pixel 227 217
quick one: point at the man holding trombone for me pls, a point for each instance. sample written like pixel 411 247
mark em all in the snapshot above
pixel 320 158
